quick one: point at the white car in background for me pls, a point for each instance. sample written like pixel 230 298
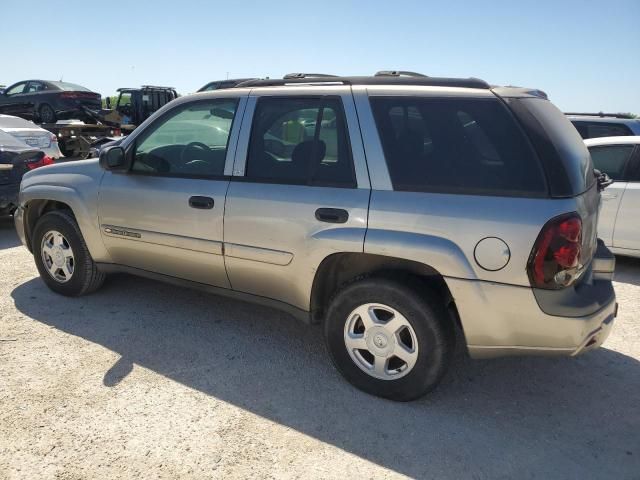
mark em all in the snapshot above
pixel 619 224
pixel 31 134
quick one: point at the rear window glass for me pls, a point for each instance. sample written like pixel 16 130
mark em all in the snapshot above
pixel 601 129
pixel 611 159
pixel 71 87
pixel 456 145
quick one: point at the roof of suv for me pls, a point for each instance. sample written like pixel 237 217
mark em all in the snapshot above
pixel 370 80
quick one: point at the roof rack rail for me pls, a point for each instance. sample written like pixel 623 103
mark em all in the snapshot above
pixel 370 80
pixel 602 114
pixel 289 76
pixel 158 87
pixel 399 73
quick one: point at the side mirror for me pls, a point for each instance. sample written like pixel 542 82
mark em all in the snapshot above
pixel 114 159
pixel 107 102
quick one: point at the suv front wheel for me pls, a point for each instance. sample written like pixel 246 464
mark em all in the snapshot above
pixel 62 257
pixel 389 339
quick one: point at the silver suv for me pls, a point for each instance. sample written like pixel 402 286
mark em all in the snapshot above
pixel 397 210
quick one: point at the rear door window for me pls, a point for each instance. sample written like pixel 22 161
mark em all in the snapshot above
pixel 612 159
pixel 300 141
pixel 456 145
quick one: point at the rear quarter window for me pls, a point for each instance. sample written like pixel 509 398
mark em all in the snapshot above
pixel 453 145
pixel 559 146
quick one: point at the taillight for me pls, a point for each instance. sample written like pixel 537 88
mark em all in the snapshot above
pixel 554 262
pixel 80 95
pixel 46 160
pixel 54 139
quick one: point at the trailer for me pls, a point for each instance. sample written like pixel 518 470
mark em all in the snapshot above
pixel 76 138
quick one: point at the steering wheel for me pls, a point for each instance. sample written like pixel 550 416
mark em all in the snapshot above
pixel 198 147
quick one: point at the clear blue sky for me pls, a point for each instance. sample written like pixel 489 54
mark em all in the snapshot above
pixel 584 54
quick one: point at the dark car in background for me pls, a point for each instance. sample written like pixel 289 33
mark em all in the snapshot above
pixel 16 158
pixel 47 101
pixel 596 125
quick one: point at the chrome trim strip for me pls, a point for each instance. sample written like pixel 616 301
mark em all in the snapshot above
pixel 165 239
pixel 264 255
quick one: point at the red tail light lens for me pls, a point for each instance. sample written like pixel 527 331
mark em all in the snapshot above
pixel 79 95
pixel 46 160
pixel 554 262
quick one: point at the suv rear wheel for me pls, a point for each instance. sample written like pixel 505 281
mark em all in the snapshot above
pixel 62 257
pixel 388 339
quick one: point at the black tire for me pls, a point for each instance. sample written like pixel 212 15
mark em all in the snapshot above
pixel 47 114
pixel 425 313
pixel 85 278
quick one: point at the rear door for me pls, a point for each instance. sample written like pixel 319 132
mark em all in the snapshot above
pixel 299 193
pixel 166 214
pixel 612 160
pixel 627 231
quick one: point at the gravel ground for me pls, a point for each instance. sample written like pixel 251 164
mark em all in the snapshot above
pixel 147 380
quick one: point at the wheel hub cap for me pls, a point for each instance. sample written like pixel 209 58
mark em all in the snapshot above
pixel 381 341
pixel 57 256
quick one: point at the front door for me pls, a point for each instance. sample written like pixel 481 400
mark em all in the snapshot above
pixel 14 101
pixel 299 197
pixel 627 231
pixel 166 214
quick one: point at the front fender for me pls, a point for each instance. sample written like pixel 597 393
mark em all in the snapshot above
pixel 81 198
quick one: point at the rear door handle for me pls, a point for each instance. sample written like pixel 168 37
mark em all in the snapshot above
pixel 204 203
pixel 332 215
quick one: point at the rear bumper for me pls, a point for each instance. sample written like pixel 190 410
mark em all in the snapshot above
pixel 500 319
pixel 9 195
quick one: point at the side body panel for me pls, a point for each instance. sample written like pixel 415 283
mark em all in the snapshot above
pixel 627 230
pixel 273 241
pixel 147 223
pixel 611 201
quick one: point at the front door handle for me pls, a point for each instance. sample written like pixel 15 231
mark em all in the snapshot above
pixel 204 203
pixel 332 215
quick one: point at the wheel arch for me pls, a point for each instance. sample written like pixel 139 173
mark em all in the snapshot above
pixel 339 269
pixel 38 200
pixel 36 208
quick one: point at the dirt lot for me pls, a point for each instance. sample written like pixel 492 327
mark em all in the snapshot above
pixel 147 380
